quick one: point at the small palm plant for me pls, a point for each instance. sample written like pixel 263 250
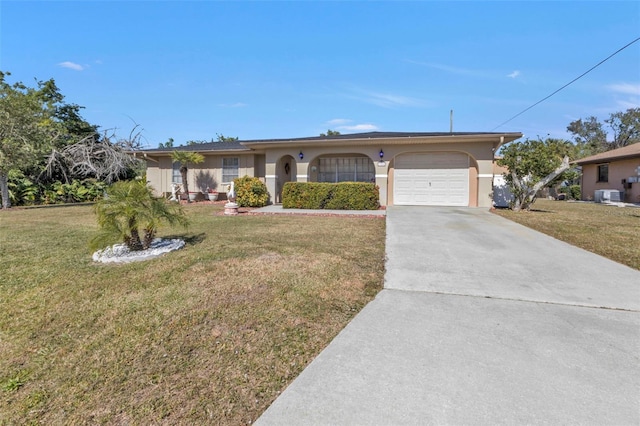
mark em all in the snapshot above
pixel 129 208
pixel 184 158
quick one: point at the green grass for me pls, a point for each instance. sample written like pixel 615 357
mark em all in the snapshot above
pixel 209 334
pixel 609 231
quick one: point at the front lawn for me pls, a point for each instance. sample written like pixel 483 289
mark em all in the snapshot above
pixel 210 334
pixel 610 231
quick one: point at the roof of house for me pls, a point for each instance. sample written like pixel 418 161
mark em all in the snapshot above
pixel 629 151
pixel 209 146
pixel 334 139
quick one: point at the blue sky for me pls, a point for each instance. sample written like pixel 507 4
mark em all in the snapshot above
pixel 190 70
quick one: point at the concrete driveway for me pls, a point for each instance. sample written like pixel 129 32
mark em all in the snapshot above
pixel 482 321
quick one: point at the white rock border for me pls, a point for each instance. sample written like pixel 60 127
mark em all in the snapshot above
pixel 119 253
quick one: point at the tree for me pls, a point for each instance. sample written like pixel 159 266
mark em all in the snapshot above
pixel 105 158
pixel 533 165
pixel 167 144
pixel 33 123
pixel 184 158
pixel 75 126
pixel 625 127
pixel 130 208
pixel 330 133
pixel 219 138
pixel 590 135
pixel 27 127
pixel 223 138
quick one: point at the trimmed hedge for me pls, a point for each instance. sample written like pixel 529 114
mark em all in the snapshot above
pixel 330 196
pixel 250 192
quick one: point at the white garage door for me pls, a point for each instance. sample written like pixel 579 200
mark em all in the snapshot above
pixel 431 179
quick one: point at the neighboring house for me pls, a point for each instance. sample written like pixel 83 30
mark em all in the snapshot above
pixel 618 169
pixel 440 169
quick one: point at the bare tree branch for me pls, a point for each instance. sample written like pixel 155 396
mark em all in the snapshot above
pixel 97 157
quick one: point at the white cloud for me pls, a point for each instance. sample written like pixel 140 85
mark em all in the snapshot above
pixel 234 105
pixel 338 121
pixel 71 65
pixel 488 74
pixel 627 95
pixel 344 124
pixel 388 100
pixel 628 104
pixel 360 128
pixel 625 88
pixel 442 67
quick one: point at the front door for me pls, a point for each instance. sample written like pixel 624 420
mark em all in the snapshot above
pixel 286 172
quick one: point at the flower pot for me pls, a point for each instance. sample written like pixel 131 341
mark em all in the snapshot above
pixel 192 196
pixel 213 197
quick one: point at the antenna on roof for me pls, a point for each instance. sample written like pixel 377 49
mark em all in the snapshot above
pixel 451 121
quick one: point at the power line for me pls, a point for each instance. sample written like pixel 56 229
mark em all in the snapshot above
pixel 569 83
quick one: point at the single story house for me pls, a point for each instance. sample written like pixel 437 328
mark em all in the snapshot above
pixel 439 169
pixel 618 169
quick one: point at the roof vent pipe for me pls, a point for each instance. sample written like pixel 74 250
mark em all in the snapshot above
pixel 451 121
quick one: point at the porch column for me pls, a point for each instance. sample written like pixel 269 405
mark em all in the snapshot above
pixel 381 182
pixel 485 183
pixel 382 178
pixel 270 180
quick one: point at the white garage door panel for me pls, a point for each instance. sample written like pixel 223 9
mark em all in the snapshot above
pixel 437 179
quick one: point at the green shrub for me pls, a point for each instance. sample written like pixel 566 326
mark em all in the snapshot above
pixel 78 191
pixel 354 196
pixel 22 190
pixel 572 191
pixel 334 196
pixel 251 192
pixel 311 195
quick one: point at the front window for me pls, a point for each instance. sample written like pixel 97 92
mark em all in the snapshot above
pixel 346 169
pixel 176 176
pixel 603 173
pixel 229 169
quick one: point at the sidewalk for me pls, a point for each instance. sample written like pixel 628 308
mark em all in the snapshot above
pixel 277 209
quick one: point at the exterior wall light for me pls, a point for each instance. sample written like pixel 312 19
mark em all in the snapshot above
pixel 301 155
pixel 381 154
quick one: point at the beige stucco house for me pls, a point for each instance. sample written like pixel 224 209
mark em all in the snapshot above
pixel 443 169
pixel 618 169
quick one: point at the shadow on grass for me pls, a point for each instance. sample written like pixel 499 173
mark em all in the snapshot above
pixel 532 210
pixel 190 240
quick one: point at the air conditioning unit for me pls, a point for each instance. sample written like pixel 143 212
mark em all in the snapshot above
pixel 608 195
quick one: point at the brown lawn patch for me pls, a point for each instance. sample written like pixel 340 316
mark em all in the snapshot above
pixel 209 334
pixel 610 231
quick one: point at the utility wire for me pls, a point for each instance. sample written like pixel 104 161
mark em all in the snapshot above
pixel 569 83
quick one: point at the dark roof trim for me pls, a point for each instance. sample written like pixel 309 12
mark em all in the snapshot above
pixel 202 147
pixel 249 145
pixel 376 135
